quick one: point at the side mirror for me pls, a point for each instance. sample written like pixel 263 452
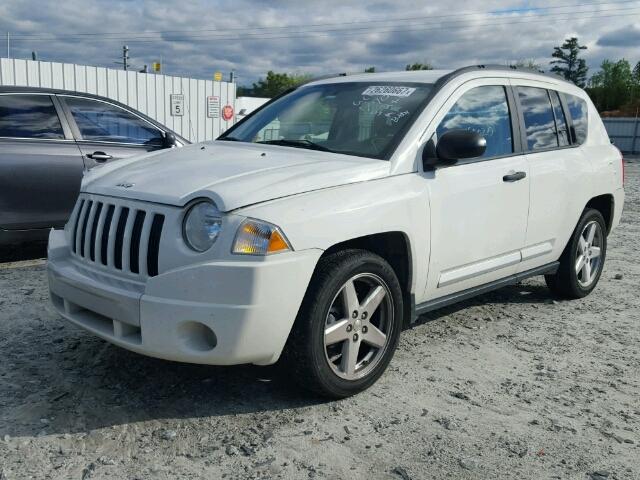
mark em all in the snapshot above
pixel 452 146
pixel 169 140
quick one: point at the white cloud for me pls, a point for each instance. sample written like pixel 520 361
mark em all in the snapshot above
pixel 428 34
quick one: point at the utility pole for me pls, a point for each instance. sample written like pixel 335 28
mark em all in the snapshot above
pixel 8 47
pixel 125 57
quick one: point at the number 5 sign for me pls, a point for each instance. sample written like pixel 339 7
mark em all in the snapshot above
pixel 177 104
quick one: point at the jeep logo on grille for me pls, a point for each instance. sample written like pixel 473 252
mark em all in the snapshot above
pixel 125 185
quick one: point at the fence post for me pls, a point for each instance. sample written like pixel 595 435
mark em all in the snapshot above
pixel 635 136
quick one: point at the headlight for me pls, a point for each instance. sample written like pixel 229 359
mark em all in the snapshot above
pixel 259 238
pixel 202 225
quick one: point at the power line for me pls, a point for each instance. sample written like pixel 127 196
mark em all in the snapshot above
pixel 520 11
pixel 391 29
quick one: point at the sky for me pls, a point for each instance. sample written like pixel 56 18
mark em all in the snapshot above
pixel 197 38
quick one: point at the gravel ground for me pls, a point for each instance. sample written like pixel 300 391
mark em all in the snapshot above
pixel 509 385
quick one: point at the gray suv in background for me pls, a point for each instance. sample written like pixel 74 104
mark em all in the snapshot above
pixel 48 138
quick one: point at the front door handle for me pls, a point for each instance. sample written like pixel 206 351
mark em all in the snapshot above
pixel 514 176
pixel 99 156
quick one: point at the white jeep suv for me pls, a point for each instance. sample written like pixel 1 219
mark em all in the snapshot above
pixel 319 226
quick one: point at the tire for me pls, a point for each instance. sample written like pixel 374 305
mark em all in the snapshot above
pixel 327 313
pixel 570 281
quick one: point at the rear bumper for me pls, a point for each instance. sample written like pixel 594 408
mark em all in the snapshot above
pixel 217 313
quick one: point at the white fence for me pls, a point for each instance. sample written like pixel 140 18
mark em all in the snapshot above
pixel 146 92
pixel 625 133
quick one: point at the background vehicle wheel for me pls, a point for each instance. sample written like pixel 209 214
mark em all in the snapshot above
pixel 348 326
pixel 583 258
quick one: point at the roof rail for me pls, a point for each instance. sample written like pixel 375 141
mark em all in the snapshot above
pixel 503 68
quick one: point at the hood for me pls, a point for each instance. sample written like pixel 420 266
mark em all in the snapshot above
pixel 234 175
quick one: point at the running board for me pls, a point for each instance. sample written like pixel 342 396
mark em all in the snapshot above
pixel 447 300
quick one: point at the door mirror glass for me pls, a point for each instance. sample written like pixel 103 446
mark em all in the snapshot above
pixel 452 146
pixel 460 144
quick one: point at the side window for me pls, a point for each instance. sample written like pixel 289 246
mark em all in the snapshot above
pixel 578 111
pixel 484 110
pixel 539 122
pixel 561 121
pixel 29 116
pixel 102 122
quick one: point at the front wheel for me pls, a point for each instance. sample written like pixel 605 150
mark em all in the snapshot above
pixel 348 326
pixel 583 259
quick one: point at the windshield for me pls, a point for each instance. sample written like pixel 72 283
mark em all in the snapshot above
pixel 357 118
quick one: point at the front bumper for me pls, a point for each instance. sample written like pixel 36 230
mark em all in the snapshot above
pixel 217 313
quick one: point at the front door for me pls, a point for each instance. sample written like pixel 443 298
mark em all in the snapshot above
pixel 107 132
pixel 478 206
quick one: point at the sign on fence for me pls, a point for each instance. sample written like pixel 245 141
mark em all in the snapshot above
pixel 213 107
pixel 177 104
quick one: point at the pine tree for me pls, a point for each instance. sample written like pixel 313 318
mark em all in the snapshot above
pixel 419 66
pixel 568 64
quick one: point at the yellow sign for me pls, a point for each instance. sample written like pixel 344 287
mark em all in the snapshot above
pixel 156 66
pixel 217 77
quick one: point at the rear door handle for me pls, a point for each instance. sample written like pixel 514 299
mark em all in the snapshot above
pixel 99 156
pixel 514 176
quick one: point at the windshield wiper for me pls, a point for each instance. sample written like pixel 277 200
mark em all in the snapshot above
pixel 304 143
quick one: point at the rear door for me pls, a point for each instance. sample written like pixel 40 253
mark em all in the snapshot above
pixel 558 170
pixel 40 164
pixel 107 132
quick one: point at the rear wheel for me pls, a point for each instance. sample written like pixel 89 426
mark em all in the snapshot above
pixel 348 325
pixel 583 259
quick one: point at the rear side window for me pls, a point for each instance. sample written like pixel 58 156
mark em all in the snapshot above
pixel 539 122
pixel 29 116
pixel 578 111
pixel 561 120
pixel 103 122
pixel 484 110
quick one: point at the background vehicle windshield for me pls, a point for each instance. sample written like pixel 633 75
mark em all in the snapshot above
pixel 358 118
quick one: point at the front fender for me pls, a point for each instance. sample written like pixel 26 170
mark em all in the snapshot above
pixel 321 219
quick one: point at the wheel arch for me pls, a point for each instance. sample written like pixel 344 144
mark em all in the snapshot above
pixel 605 204
pixel 395 248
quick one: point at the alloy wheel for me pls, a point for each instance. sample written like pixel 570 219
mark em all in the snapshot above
pixel 358 326
pixel 588 260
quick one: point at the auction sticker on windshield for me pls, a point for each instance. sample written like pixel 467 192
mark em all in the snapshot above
pixel 389 91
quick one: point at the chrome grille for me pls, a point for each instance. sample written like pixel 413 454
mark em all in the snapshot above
pixel 116 236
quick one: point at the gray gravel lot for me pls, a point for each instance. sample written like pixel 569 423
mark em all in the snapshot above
pixel 513 384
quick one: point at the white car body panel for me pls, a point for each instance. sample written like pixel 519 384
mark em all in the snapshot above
pixel 232 175
pixel 463 225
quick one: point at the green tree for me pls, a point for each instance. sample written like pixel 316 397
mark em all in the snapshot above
pixel 370 70
pixel 612 87
pixel 636 74
pixel 528 63
pixel 567 63
pixel 276 83
pixel 419 66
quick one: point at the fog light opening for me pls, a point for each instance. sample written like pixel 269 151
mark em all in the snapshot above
pixel 197 336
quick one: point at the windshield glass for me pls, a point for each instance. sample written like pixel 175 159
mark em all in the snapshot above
pixel 356 118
